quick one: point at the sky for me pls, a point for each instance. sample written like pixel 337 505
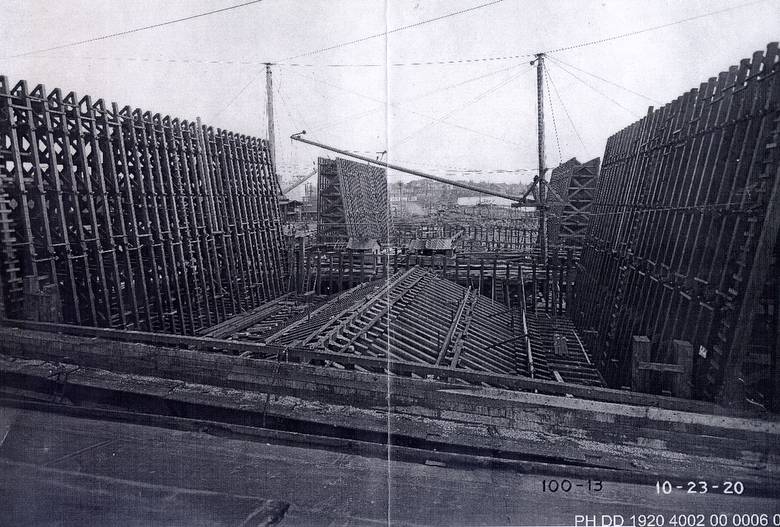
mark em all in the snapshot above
pixel 471 106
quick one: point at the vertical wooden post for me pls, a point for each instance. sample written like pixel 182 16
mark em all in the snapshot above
pixel 318 278
pixel 546 288
pixel 533 282
pixel 351 268
pixel 301 264
pixel 540 143
pixel 341 271
pixel 269 103
pixel 683 356
pixel 330 272
pixel 640 352
pixel 569 273
pixel 481 273
pixel 493 281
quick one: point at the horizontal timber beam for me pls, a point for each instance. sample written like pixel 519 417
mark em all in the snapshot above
pixel 394 366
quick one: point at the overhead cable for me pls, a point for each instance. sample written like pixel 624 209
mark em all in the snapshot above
pixel 555 124
pixel 362 114
pixel 653 28
pixel 404 109
pixel 136 29
pixel 613 101
pixel 263 62
pixel 563 105
pixel 456 110
pixel 654 101
pixel 388 32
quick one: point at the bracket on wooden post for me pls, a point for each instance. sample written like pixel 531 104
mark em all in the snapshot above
pixel 682 368
pixel 42 304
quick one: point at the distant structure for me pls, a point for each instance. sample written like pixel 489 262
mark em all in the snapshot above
pixel 574 186
pixel 352 202
pixel 331 220
pixel 682 242
pixel 429 246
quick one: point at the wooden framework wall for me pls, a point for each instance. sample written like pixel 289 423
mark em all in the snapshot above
pixel 140 221
pixel 519 235
pixel 331 219
pixel 364 192
pixel 496 275
pixel 352 201
pixel 416 316
pixel 684 227
pixel 574 185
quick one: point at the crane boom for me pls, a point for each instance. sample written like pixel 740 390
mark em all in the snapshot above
pixel 298 181
pixel 517 199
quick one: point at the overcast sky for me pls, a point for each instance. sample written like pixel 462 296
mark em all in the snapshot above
pixel 366 96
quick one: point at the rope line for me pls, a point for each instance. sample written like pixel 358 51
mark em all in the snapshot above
pixel 360 115
pixel 462 107
pixel 235 97
pixel 135 30
pixel 654 101
pixel 259 62
pixel 385 33
pixel 633 113
pixel 399 107
pixel 565 110
pixel 552 113
pixel 652 28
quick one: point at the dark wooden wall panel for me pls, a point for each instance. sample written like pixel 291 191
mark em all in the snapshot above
pixel 683 228
pixel 573 190
pixel 137 221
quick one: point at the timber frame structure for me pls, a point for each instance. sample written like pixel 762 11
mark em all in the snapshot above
pixel 574 185
pixel 128 219
pixel 683 234
pixel 331 217
pixel 352 201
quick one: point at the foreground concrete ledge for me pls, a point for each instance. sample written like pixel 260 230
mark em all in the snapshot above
pixel 359 388
pixel 230 353
pixel 526 428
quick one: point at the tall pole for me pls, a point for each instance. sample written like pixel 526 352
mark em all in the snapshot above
pixel 542 199
pixel 269 106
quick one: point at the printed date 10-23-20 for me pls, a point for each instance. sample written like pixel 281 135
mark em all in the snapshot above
pixel 700 487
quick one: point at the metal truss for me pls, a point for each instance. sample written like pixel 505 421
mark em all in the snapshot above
pixel 140 221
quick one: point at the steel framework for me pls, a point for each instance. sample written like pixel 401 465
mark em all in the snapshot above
pixel 684 228
pixel 138 221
